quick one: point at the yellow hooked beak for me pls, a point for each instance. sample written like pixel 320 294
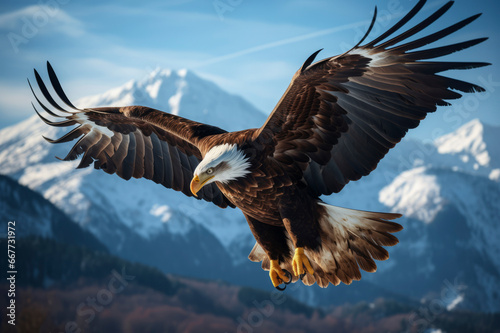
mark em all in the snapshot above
pixel 197 183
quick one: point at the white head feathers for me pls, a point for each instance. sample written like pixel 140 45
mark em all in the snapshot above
pixel 236 163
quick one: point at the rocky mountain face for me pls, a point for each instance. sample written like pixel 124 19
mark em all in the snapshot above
pixel 33 215
pixel 448 192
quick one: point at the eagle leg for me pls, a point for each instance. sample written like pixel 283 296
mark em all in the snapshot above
pixel 272 248
pixel 301 263
pixel 300 220
pixel 278 276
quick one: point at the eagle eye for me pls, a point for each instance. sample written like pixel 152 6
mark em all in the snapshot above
pixel 210 171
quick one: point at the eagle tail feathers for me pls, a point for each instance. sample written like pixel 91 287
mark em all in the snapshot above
pixel 350 239
pixel 258 254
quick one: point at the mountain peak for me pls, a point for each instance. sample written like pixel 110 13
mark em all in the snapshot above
pixel 182 92
pixel 473 141
pixel 162 73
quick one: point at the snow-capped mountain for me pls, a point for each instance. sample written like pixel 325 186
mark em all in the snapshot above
pixel 448 191
pixel 476 145
pixel 452 221
pixel 185 94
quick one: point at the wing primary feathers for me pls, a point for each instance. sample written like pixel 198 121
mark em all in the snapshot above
pixel 419 27
pixel 372 23
pixel 441 66
pixel 177 168
pixel 140 152
pixel 70 136
pixel 148 158
pixel 121 154
pixel 128 162
pixel 399 24
pixel 309 60
pixel 436 36
pixel 92 140
pixel 108 166
pixel 444 50
pixel 46 93
pixel 374 18
pixel 158 169
pixel 75 151
pixel 95 152
pixel 51 123
pixel 43 106
pixel 57 86
pixel 169 171
pixel 462 85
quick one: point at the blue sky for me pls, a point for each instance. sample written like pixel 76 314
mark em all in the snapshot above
pixel 250 48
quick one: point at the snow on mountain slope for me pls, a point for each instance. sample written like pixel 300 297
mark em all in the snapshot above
pixel 476 145
pixel 468 139
pixel 421 193
pixel 461 245
pixel 185 94
pixel 414 194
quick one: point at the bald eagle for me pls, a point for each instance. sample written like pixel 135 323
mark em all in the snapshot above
pixel 334 123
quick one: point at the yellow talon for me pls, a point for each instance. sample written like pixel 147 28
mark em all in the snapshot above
pixel 299 261
pixel 276 273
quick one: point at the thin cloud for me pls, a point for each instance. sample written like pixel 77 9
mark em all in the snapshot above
pixel 40 19
pixel 281 42
pixel 303 37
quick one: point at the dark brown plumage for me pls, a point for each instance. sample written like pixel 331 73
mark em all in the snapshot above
pixel 335 122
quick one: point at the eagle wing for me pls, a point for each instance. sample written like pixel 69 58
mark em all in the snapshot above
pixel 133 141
pixel 341 115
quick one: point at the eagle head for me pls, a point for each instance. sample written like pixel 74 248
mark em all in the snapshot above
pixel 222 163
